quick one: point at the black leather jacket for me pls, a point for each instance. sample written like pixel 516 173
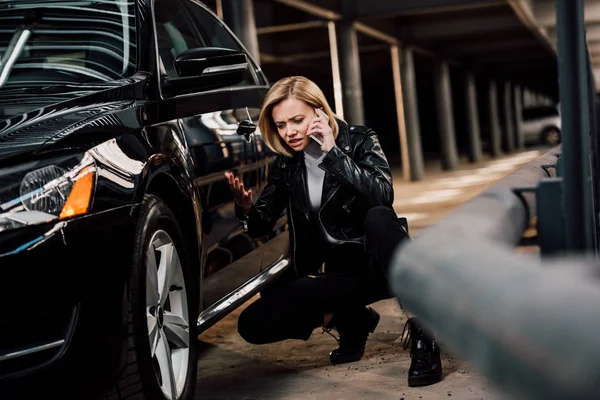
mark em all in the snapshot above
pixel 357 178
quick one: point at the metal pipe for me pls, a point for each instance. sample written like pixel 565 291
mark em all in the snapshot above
pixel 502 311
pixel 575 123
pixel 531 328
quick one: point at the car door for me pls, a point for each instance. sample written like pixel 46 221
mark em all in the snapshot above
pixel 211 131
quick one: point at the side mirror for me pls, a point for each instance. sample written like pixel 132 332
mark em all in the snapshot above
pixel 207 68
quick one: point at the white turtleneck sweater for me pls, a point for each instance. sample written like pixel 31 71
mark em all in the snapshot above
pixel 314 179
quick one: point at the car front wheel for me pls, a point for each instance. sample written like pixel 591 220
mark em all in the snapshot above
pixel 162 347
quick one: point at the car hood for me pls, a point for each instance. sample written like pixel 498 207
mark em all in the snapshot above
pixel 32 120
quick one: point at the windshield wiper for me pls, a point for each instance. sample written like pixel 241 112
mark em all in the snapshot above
pixel 13 52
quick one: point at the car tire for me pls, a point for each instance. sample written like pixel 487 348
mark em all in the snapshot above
pixel 164 321
pixel 551 136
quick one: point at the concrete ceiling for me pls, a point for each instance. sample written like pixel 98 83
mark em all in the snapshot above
pixel 544 12
pixel 498 38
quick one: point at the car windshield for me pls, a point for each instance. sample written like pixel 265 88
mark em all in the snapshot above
pixel 65 42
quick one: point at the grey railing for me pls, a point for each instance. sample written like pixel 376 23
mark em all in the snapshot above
pixel 529 325
pixel 530 322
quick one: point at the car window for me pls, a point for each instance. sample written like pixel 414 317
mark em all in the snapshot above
pixel 214 33
pixel 174 34
pixel 56 43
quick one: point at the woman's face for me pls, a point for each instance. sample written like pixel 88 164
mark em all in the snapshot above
pixel 292 117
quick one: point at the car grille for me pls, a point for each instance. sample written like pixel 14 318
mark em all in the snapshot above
pixel 33 339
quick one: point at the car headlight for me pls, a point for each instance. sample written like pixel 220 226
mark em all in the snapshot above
pixel 50 193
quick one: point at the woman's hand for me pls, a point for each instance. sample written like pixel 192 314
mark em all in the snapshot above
pixel 319 127
pixel 242 197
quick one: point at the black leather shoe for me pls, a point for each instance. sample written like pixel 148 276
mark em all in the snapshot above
pixel 353 331
pixel 426 365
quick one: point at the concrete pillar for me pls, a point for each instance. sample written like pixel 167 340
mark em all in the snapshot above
pixel 508 137
pixel 350 73
pixel 495 138
pixel 518 117
pixel 239 16
pixel 405 89
pixel 446 129
pixel 473 128
pixel 526 97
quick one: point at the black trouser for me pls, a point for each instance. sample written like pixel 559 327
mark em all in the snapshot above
pixel 383 232
pixel 294 309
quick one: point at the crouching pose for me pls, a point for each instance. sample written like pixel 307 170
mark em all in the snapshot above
pixel 327 187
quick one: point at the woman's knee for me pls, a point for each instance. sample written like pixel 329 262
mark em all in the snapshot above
pixel 378 217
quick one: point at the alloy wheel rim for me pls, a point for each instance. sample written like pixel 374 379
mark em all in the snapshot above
pixel 167 315
pixel 553 137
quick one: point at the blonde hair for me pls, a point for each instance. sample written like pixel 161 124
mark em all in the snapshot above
pixel 301 88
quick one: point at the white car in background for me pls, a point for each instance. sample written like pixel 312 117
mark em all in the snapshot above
pixel 542 124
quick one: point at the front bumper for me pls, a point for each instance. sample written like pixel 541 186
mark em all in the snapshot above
pixel 63 288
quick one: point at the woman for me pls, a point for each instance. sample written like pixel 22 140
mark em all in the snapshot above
pixel 328 189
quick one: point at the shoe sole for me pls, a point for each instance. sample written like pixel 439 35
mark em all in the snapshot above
pixel 424 380
pixel 346 360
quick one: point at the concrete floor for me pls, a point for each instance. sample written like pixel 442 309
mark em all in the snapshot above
pixel 229 368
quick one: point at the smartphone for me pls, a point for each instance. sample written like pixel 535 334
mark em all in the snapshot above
pixel 319 113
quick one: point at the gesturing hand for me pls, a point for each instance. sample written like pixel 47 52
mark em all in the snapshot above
pixel 319 127
pixel 242 197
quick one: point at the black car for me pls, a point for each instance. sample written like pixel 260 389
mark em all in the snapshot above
pixel 118 238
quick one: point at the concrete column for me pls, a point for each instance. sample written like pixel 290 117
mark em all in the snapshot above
pixel 495 138
pixel 519 137
pixel 446 129
pixel 508 131
pixel 405 89
pixel 526 97
pixel 350 73
pixel 473 128
pixel 239 16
